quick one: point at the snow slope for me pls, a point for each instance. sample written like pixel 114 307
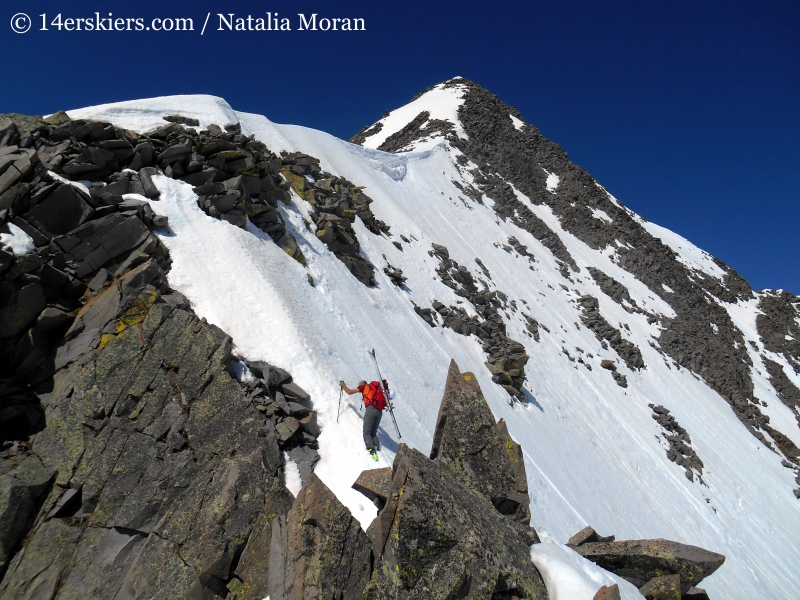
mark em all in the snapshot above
pixel 593 454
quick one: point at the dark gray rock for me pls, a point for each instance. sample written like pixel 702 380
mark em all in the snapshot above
pixel 318 550
pixel 295 392
pixel 375 484
pixel 306 459
pixel 18 309
pixel 146 178
pixel 253 567
pixel 97 242
pixel 665 587
pixel 479 452
pixel 437 539
pixel 639 561
pixel 22 492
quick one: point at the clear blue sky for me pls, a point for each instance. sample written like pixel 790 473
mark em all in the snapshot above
pixel 688 112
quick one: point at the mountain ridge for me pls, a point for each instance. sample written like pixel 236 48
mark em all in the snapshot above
pixel 581 430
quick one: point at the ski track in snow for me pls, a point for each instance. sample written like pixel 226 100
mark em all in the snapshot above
pixel 593 453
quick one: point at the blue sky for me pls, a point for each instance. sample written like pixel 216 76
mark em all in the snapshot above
pixel 688 112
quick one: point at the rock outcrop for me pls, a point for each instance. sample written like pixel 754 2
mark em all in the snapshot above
pixel 661 569
pixel 454 525
pixel 437 538
pixel 141 466
pixel 318 549
pixel 507 357
pixel 479 452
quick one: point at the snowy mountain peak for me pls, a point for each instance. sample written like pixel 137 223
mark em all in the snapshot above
pixel 420 124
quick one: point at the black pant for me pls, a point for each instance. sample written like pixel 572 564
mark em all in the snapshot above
pixel 372 418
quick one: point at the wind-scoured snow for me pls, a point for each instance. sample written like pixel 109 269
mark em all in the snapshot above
pixel 441 102
pixel 593 453
pixel 689 254
pixel 16 239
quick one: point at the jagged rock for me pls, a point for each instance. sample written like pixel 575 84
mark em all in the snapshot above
pixel 666 587
pixel 318 550
pixel 438 539
pixel 272 375
pixel 287 428
pixel 608 593
pixel 395 275
pixel 374 484
pixel 94 244
pixel 182 120
pixel 586 535
pixel 309 424
pixel 639 561
pixel 292 390
pixel 146 177
pixel 479 452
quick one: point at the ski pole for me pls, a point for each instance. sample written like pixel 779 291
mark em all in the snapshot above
pixel 338 410
pixel 386 393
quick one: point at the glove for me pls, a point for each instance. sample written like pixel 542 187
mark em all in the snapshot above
pixel 341 384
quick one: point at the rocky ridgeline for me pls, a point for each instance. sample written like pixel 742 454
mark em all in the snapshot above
pixel 507 358
pixel 702 337
pixel 335 204
pixel 524 158
pixel 132 462
pixel 779 325
pixel 679 449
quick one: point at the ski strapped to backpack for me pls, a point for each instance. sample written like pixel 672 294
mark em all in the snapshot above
pixel 385 392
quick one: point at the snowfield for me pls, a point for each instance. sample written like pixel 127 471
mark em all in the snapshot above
pixel 593 453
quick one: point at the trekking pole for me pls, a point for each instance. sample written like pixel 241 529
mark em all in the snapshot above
pixel 338 410
pixel 385 393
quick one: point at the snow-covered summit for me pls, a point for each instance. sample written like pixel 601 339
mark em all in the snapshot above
pixel 573 288
pixel 427 118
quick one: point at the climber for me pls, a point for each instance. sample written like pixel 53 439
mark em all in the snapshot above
pixel 375 403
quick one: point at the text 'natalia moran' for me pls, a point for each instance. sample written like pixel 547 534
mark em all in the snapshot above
pixel 272 22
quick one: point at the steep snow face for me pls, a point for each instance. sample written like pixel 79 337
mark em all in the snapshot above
pixel 593 453
pixel 440 102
